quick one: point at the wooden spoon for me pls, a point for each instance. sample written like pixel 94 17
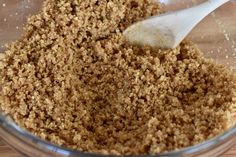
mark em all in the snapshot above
pixel 168 30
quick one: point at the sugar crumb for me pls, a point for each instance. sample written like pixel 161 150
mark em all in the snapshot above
pixel 73 80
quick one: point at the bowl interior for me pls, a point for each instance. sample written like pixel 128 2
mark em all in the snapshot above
pixel 13 16
pixel 215 35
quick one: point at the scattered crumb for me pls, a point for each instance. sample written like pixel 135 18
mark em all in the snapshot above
pixel 73 80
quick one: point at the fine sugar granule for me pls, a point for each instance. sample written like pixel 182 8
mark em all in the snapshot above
pixel 73 80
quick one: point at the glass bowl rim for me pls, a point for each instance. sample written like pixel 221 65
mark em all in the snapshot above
pixel 13 129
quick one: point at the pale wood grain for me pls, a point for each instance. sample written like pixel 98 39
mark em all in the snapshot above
pixel 230 153
pixel 6 151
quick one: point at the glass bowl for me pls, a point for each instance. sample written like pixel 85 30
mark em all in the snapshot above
pixel 215 35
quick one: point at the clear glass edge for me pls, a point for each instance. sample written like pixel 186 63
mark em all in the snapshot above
pixel 33 141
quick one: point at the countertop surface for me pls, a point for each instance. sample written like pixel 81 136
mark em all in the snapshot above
pixel 6 151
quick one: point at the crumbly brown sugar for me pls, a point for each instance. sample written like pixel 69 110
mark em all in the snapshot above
pixel 72 79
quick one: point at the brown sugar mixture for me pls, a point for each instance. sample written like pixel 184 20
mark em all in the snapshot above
pixel 73 80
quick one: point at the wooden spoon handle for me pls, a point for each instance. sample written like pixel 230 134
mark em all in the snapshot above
pixel 192 16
